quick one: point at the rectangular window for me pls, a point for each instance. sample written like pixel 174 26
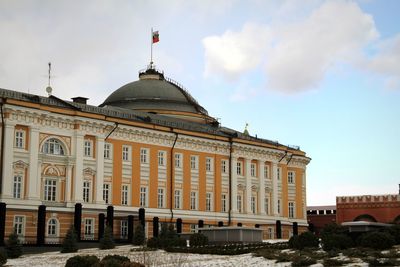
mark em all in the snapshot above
pixel 193 200
pixel 278 206
pixel 178 160
pixel 106 193
pixel 266 171
pixel 193 228
pixel 161 158
pixel 193 162
pixel 239 168
pixel 19 225
pixel 209 167
pixel 278 173
pixel 86 191
pixel 160 198
pixel 239 202
pixel 143 196
pixel 125 153
pixel 144 154
pixel 290 177
pixel 124 194
pixel 291 210
pixel 88 148
pixel 253 170
pixel 17 189
pixel 253 204
pixel 50 189
pixel 224 166
pixel 177 199
pixel 124 229
pixel 223 202
pixel 89 228
pixel 107 150
pixel 270 233
pixel 208 202
pixel 266 205
pixel 19 139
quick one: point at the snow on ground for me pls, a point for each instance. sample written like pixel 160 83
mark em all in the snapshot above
pixel 151 258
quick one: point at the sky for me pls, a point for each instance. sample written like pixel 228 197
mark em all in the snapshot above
pixel 322 75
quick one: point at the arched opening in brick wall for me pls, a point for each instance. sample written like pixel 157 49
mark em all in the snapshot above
pixel 365 218
pixel 397 220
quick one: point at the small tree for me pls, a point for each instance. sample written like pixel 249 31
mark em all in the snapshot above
pixel 70 242
pixel 13 246
pixel 198 239
pixel 304 240
pixel 139 236
pixel 107 241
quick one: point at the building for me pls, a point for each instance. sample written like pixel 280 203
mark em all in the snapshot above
pixel 149 151
pixel 320 216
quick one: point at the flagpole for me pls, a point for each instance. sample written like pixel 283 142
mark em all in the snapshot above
pixel 151 49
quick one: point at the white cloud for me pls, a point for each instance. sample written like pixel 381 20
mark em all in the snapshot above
pixel 234 53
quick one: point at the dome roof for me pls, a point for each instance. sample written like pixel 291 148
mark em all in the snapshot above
pixel 155 93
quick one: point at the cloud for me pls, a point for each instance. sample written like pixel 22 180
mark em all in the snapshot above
pixel 234 53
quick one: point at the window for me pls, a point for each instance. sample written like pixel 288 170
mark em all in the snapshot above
pixel 161 158
pixel 270 233
pixel 178 160
pixel 143 196
pixel 239 203
pixel 266 171
pixel 224 166
pixel 106 193
pixel 52 227
pixel 208 202
pixel 193 228
pixel 89 228
pixel 50 189
pixel 291 210
pixel 193 200
pixel 124 229
pixel 124 194
pixel 239 168
pixel 278 208
pixel 17 189
pixel 223 202
pixel 278 173
pixel 86 191
pixel 87 148
pixel 19 225
pixel 253 204
pixel 144 155
pixel 253 170
pixel 19 139
pixel 160 198
pixel 209 167
pixel 290 177
pixel 107 151
pixel 125 153
pixel 194 162
pixel 266 205
pixel 177 199
pixel 53 146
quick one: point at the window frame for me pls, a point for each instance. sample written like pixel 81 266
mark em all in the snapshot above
pixel 143 196
pixel 19 226
pixel 89 226
pixel 53 227
pixel 178 158
pixel 193 200
pixel 223 202
pixel 253 171
pixel 144 156
pixel 124 195
pixel 18 186
pixel 239 168
pixel 106 193
pixel 88 148
pixel 53 146
pixel 19 141
pixel 194 162
pixel 209 201
pixel 48 193
pixel 162 158
pixel 126 153
pixel 160 198
pixel 87 192
pixel 177 204
pixel 107 150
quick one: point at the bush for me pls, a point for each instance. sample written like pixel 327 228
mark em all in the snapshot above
pixel 306 239
pixel 336 241
pixel 3 258
pixel 382 262
pixel 82 261
pixel 167 238
pixel 70 242
pixel 13 246
pixel 395 232
pixel 107 241
pixel 198 239
pixel 114 260
pixel 139 237
pixel 153 242
pixel 303 261
pixel 334 262
pixel 376 240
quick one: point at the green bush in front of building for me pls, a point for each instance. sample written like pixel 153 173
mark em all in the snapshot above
pixel 13 246
pixel 70 242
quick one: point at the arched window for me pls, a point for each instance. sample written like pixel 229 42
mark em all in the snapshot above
pixel 53 146
pixel 52 227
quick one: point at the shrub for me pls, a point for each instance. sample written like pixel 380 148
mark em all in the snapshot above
pixel 114 260
pixel 139 237
pixel 3 258
pixel 167 238
pixel 376 240
pixel 306 239
pixel 107 241
pixel 153 242
pixel 303 261
pixel 13 246
pixel 70 242
pixel 82 261
pixel 395 232
pixel 336 241
pixel 334 262
pixel 198 239
pixel 382 261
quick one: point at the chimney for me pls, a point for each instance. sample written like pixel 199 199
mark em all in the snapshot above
pixel 80 99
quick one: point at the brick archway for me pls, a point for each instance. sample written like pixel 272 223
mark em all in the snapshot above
pixel 365 217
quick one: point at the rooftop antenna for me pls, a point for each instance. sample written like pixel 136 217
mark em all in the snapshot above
pixel 49 90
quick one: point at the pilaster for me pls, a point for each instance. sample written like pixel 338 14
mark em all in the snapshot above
pixel 233 194
pixel 33 185
pixel 78 170
pixel 99 170
pixel 275 189
pixel 8 160
pixel 248 185
pixel 261 197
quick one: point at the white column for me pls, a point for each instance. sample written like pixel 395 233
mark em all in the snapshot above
pixel 99 170
pixel 8 161
pixel 261 196
pixel 78 171
pixel 274 188
pixel 33 178
pixel 248 185
pixel 233 195
pixel 68 183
